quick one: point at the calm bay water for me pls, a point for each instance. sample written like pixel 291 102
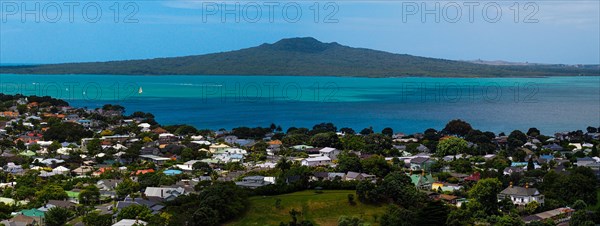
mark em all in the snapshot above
pixel 410 104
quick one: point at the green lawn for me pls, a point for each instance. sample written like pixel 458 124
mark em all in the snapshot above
pixel 323 209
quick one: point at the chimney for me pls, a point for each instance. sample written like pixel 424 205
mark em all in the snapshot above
pixel 511 184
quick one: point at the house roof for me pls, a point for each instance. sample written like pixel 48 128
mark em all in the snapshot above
pixel 60 203
pixel 354 175
pixel 144 171
pixel 448 197
pixel 521 191
pixel 321 174
pixel 129 222
pixel 586 159
pixel 32 213
pixel 163 192
pixel 22 218
pixel 327 150
pixel 419 160
pixel 316 159
pixel 418 179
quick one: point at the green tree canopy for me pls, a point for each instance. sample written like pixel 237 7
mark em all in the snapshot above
pixel 485 192
pixel 451 146
pixel 57 216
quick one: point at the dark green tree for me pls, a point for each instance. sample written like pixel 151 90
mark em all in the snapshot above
pixel 397 216
pixel 457 127
pixel 485 192
pixel 57 216
pixel 387 131
pixel 349 162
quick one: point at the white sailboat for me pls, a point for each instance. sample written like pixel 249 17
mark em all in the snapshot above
pixel 140 90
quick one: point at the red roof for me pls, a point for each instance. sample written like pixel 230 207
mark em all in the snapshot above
pixel 144 171
pixel 474 177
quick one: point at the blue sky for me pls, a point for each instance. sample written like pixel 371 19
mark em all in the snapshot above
pixel 544 32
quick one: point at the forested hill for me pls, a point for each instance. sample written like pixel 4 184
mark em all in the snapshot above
pixel 309 57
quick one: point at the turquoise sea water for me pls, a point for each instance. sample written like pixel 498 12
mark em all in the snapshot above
pixel 408 104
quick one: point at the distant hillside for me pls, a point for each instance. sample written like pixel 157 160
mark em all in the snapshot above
pixel 305 56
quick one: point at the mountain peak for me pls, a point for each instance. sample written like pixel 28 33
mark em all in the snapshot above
pixel 301 44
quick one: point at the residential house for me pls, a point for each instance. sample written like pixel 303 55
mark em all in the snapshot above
pixel 301 147
pixel 327 176
pixel 150 151
pixel 166 138
pixel 473 177
pixel 156 159
pixel 558 216
pixel 130 222
pixel 83 170
pixel 12 168
pixel 521 195
pixel 255 181
pixel 545 159
pixel 422 149
pixel 553 147
pixel 62 204
pixel 108 184
pixel 350 176
pixel 422 181
pixel 187 166
pixel 450 158
pixel 21 220
pixel 316 161
pixel 164 193
pixel 450 199
pixel 273 148
pixel 144 127
pixel 421 163
pixel 513 169
pixel 72 118
pixel 86 123
pixel 217 147
pixel 585 161
pixel 231 139
pixel 34 213
pixel 332 153
pixel 445 187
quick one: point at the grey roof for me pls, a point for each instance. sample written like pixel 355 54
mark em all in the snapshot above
pixel 163 191
pixel 586 159
pixel 419 160
pixel 60 203
pixel 355 175
pixel 553 146
pixel 321 174
pixel 351 174
pixel 422 148
pixel 521 191
pixel 254 178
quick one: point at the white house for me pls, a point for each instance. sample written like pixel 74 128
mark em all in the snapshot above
pixel 164 192
pixel 316 161
pixel 521 195
pixel 332 153
pixel 144 127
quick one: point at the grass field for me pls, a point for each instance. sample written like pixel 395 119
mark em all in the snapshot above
pixel 323 209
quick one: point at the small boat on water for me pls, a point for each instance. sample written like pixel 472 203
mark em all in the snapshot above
pixel 140 90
